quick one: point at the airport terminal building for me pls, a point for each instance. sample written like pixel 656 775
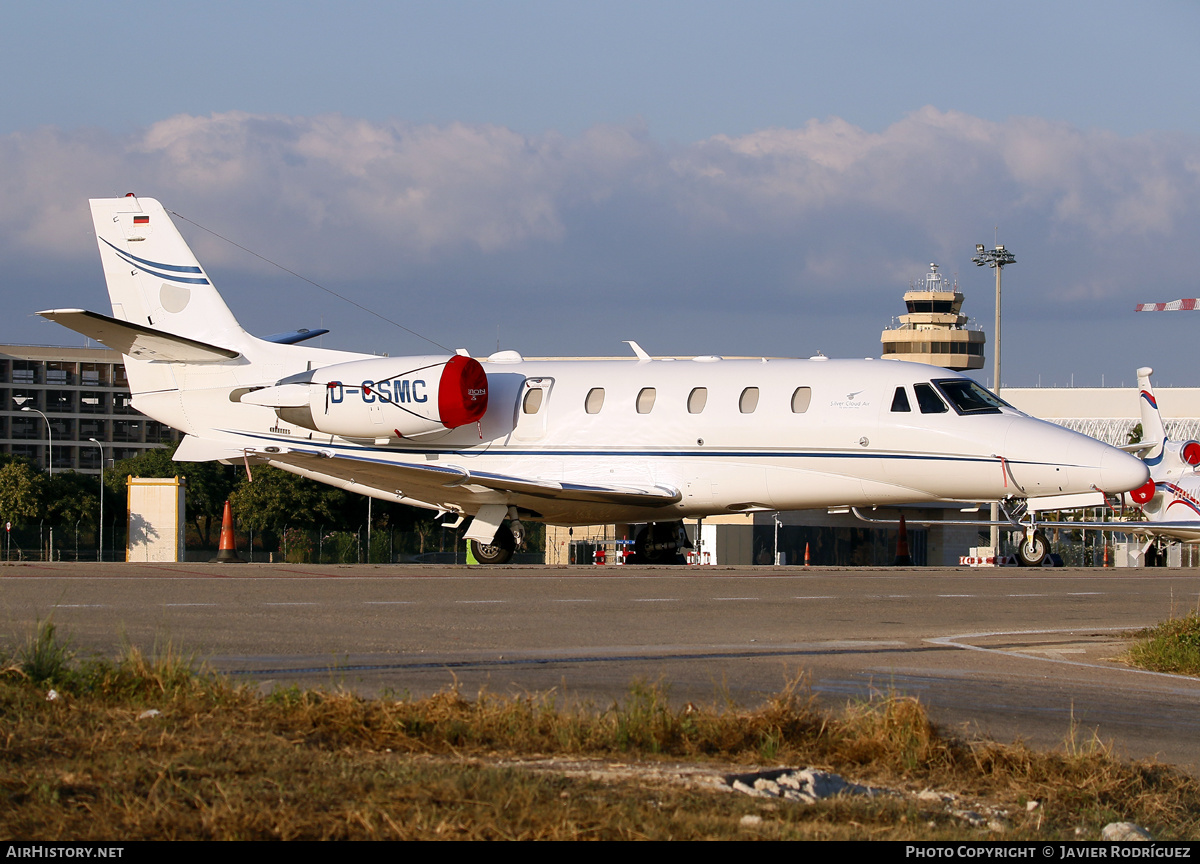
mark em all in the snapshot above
pixel 72 395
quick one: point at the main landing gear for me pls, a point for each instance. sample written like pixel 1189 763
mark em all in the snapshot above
pixel 499 551
pixel 508 539
pixel 661 543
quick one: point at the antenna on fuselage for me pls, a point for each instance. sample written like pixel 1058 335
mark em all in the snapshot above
pixel 341 297
pixel 637 350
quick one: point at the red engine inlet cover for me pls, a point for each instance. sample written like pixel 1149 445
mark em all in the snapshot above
pixel 1191 453
pixel 1143 493
pixel 463 392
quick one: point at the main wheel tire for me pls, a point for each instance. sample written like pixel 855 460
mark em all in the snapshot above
pixel 647 546
pixel 639 547
pixel 499 551
pixel 1033 550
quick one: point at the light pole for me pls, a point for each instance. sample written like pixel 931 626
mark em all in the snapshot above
pixel 100 537
pixel 49 439
pixel 996 259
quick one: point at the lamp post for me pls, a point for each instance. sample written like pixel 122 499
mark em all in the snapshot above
pixel 49 439
pixel 996 259
pixel 100 537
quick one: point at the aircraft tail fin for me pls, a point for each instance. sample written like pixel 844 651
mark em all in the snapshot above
pixel 154 280
pixel 1153 429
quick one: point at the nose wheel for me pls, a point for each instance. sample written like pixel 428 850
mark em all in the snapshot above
pixel 1033 549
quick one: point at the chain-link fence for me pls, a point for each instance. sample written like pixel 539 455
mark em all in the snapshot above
pixel 44 541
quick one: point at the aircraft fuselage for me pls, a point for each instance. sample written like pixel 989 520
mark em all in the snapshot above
pixel 728 435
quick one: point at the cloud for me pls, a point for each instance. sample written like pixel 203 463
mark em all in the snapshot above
pixel 626 226
pixel 433 190
pixel 935 167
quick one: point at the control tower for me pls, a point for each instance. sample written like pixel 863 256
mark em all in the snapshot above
pixel 934 330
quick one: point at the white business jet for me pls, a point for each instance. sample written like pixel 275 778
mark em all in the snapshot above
pixel 576 441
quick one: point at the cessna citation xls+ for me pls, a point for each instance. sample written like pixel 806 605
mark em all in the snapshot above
pixel 562 441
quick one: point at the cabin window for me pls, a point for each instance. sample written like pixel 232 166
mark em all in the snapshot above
pixel 748 401
pixel 645 400
pixel 697 399
pixel 900 401
pixel 594 401
pixel 801 399
pixel 928 400
pixel 533 401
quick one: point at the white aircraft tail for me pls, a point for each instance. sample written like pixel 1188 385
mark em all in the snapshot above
pixel 1153 430
pixel 154 280
pixel 168 320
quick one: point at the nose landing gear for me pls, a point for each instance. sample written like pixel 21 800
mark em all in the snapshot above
pixel 1033 549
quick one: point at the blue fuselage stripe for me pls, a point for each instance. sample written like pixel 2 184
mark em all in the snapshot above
pixel 501 451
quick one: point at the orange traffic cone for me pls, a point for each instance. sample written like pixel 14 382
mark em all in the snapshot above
pixel 227 551
pixel 903 559
pixel 806 559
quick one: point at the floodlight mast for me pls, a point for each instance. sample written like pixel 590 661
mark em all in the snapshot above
pixel 100 533
pixel 49 439
pixel 996 259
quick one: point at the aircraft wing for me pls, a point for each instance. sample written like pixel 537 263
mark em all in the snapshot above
pixel 412 478
pixel 1139 447
pixel 1185 531
pixel 136 340
pixel 1179 530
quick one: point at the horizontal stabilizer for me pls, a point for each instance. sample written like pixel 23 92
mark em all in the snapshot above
pixel 136 340
pixel 293 337
pixel 1139 447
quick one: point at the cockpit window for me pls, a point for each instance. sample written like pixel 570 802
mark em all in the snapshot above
pixel 968 397
pixel 928 400
pixel 900 400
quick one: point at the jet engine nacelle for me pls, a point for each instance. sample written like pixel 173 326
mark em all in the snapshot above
pixel 384 397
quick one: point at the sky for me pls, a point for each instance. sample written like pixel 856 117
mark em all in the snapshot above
pixel 758 178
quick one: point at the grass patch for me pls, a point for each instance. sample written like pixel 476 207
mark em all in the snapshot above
pixel 45 658
pixel 1172 646
pixel 151 746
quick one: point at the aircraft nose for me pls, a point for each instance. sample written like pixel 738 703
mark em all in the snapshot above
pixel 1120 472
pixel 1049 460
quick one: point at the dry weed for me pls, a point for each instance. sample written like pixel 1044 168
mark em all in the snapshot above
pixel 149 747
